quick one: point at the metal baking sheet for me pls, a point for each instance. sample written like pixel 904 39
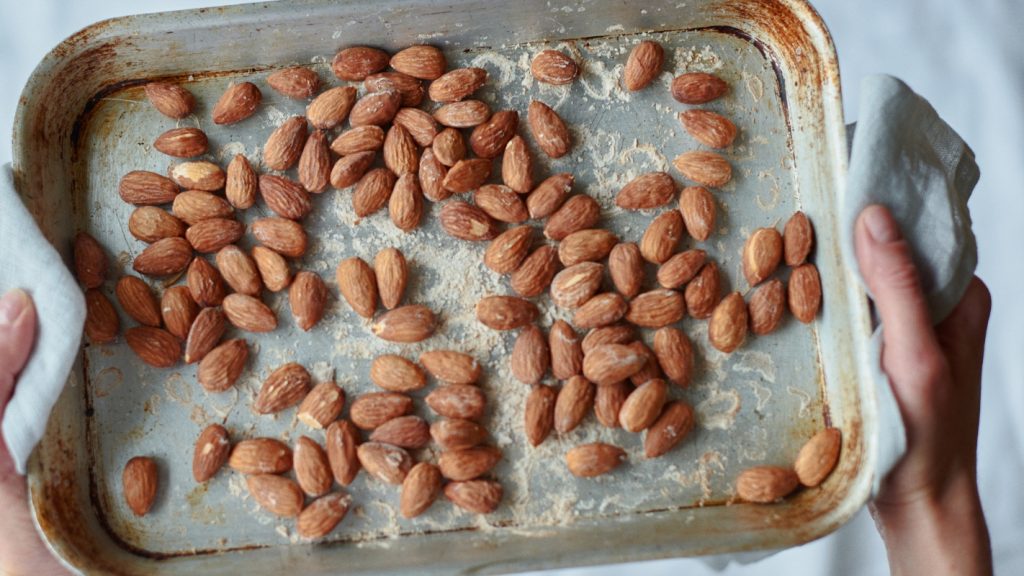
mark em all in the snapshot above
pixel 755 406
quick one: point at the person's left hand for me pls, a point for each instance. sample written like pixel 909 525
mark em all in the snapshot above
pixel 21 550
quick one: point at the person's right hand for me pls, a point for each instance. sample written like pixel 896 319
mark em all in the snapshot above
pixel 928 510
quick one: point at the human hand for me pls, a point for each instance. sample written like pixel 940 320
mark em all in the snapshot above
pixel 928 510
pixel 21 550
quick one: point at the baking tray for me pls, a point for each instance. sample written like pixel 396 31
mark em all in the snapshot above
pixel 83 122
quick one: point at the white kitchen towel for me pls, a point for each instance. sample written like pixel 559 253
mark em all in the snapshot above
pixel 29 261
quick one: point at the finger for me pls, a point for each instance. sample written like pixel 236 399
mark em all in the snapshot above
pixel 962 333
pixel 17 334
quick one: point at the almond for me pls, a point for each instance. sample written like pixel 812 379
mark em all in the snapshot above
pixel 804 292
pixel 411 323
pixel 140 481
pixel 358 139
pixel 578 213
pixel 315 163
pixel 704 168
pixel 322 515
pixel 194 206
pixel 505 312
pixel 626 268
pixel 273 268
pixel 182 142
pixel 375 108
pixel 156 347
pixel 220 368
pixel 611 363
pixel 575 285
pixel 296 82
pixel 548 196
pixel 608 401
pixel 373 191
pixel 248 313
pixel 451 366
pixel 698 209
pixel 574 401
pixel 530 355
pixel 468 463
pixel 285 144
pixel 206 331
pixel 239 270
pixel 566 350
pixel 205 283
pixel 674 424
pixel 553 67
pixel 401 155
pixel 240 186
pixel 651 369
pixel 138 301
pixel 280 235
pixel 178 311
pixel 237 103
pixel 467 222
pixel 765 484
pixel 457 84
pixel 467 175
pixel 643 406
pixel 818 457
pixel 646 191
pixel 709 128
pixel 385 462
pixel 479 496
pixel 449 146
pixel 534 275
pixel 727 327
pixel 421 61
pixel 501 203
pixel 456 433
pixel 431 176
pixel 588 460
pixel 704 292
pixel 358 62
pixel 539 413
pixel 275 494
pixel 198 175
pixel 762 254
pixel 392 275
pixel 404 431
pixel 419 123
pixel 396 374
pixel 171 100
pixel 285 387
pixel 506 252
pixel 797 239
pixel 329 109
pixel 342 444
pixel 213 234
pixel 349 169
pixel 261 456
pixel 322 405
pixel 149 224
pixel 463 401
pixel 307 298
pixel 656 308
pixel 411 89
pixel 766 307
pixel 697 87
pixel 548 129
pixel 311 468
pixel 421 487
pixel 464 114
pixel 143 188
pixel 406 204
pixel 681 268
pixel 588 245
pixel 488 139
pixel 600 310
pixel 164 257
pixel 517 166
pixel 675 355
pixel 643 65
pixel 614 334
pixel 211 452
pixel 661 237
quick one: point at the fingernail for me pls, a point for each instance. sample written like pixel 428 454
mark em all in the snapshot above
pixel 880 224
pixel 12 305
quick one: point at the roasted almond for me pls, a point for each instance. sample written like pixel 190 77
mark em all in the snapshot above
pixel 154 346
pixel 149 224
pixel 651 369
pixel 517 166
pixel 140 481
pixel 392 274
pixel 342 443
pixel 467 174
pixel 804 292
pixel 421 61
pixel 322 405
pixel 762 254
pixel 626 268
pixel 311 468
pixel 178 310
pixel 385 462
pixel 505 312
pixel 404 431
pixel 358 139
pixel 463 401
pixel 431 175
pixel 375 108
pixel 221 367
pixel 661 237
pixel 405 207
pixel 578 213
pixel 674 424
pixel 420 124
pixel 284 146
pixel 373 191
pixel 566 350
pixel 457 84
pixel 276 494
pixel 697 206
pixel 588 245
pixel 281 235
pixel 164 257
pixel 456 433
pixel 358 285
pixel 553 67
pixel 697 87
pixel 797 239
pixel 206 331
pixel 171 100
pixel 818 457
pixel 358 62
pixel 704 168
pixel 727 327
pixel 548 196
pixel 646 191
pixel 575 400
pixel 397 374
pixel 296 82
pixel 708 128
pixel 506 252
pixel 572 287
pixel 449 146
pixel 138 301
pixel 643 65
pixel 248 313
pixel 411 89
pixel 614 334
pixel 239 270
pixel 539 413
pixel 681 268
pixel 610 363
pixel 307 298
pixel 285 387
pixel 182 142
pixel 464 114
pixel 208 236
pixel 241 184
pixel 530 356
pixel 765 484
pixel 548 129
pixel 211 452
pixel 478 496
pixel 488 139
pixel 534 275
pixel 205 283
pixel 198 175
pixel 675 355
pixel 467 222
pixel 766 307
pixel 608 401
pixel 468 463
pixel 451 366
pixel 322 515
pixel 329 109
pixel 704 292
pixel 194 206
pixel 594 459
pixel 600 310
pixel 421 487
pixel 261 456
pixel 349 169
pixel 315 163
pixel 643 406
pixel 273 268
pixel 406 324
pixel 237 103
pixel 143 188
pixel 501 203
pixel 656 308
pixel 401 155
pixel 101 322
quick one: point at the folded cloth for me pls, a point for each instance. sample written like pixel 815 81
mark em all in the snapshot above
pixel 30 262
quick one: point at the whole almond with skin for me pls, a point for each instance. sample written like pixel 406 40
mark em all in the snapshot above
pixel 281 235
pixel 488 139
pixel 164 257
pixel 194 206
pixel 308 299
pixel 611 363
pixel 553 67
pixel 101 322
pixel 549 195
pixel 467 174
pixel 534 275
pixel 349 169
pixel 464 114
pixel 405 207
pixel 451 366
pixel 614 334
pixel 421 487
pixel 140 481
pixel 315 163
pixel 588 245
pixel 530 356
pixel 578 213
pixel 373 191
pixel 818 457
pixel 198 175
pixel 241 184
pixel 468 463
pixel 296 82
pixel 595 459
pixel 149 224
pixel 704 168
pixel 329 109
pixel 646 191
pixel 143 188
pixel 517 166
pixel 608 401
pixel 211 452
pixel 681 268
pixel 501 203
pixel 463 401
pixel 457 84
pixel 506 252
pixel 661 237
pixel 467 222
pixel 651 369
pixel 698 87
pixel 239 270
pixel 449 146
pixel 600 310
pixel 205 283
pixel 708 128
pixel 704 292
pixel 272 267
pixel 322 515
pixel 385 462
pixel 154 346
pixel 697 206
pixel 401 154
pixel 762 254
pixel 656 308
pixel 276 494
pixel 411 89
pixel 766 307
pixel 477 496
pixel 138 301
pixel 206 331
pixel 421 61
pixel 574 401
pixel 321 406
pixel 576 284
pixel 358 62
pixel 358 286
pixel 643 65
pixel 237 103
pixel 675 355
pixel 397 374
pixel 804 292
pixel 797 239
pixel 727 327
pixel 566 350
pixel 90 260
pixel 358 139
pixel 431 176
pixel 626 268
pixel 375 108
pixel 248 313
pixel 409 432
pixel 392 273
pixel 548 129
pixel 220 368
pixel 419 123
pixel 342 443
pixel 674 424
pixel 285 387
pixel 213 234
pixel 261 456
pixel 643 406
pixel 284 146
pixel 171 100
pixel 178 310
pixel 182 142
pixel 456 433
pixel 505 312
pixel 311 468
pixel 765 484
pixel 406 324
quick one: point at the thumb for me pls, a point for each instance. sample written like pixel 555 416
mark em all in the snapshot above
pixel 17 334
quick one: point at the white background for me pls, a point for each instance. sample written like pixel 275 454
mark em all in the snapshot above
pixel 966 57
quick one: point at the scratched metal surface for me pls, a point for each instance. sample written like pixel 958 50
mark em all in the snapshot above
pixel 756 406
